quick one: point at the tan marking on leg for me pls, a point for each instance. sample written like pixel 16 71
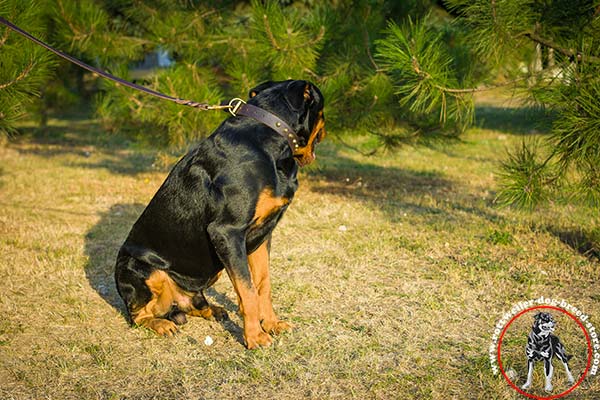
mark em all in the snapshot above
pixel 267 204
pixel 254 336
pixel 259 267
pixel 209 311
pixel 206 312
pixel 214 279
pixel 165 294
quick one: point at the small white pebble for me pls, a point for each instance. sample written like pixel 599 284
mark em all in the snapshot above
pixel 208 341
pixel 342 228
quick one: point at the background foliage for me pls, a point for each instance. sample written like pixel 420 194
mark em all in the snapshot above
pixel 398 71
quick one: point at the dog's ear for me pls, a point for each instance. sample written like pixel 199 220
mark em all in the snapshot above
pixel 253 92
pixel 298 93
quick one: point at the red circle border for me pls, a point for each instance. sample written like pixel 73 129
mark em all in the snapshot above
pixel 587 368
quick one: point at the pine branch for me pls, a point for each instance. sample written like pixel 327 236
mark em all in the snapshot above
pixel 566 52
pixel 276 45
pixel 394 140
pixel 4 37
pixel 19 77
pixel 481 89
pixel 77 32
pixel 354 148
pixel 315 40
pixel 313 74
pixel 368 49
pixel 270 33
pixel 425 75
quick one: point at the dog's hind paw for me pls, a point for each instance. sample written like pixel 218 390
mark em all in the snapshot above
pixel 162 326
pixel 526 386
pixel 548 388
pixel 178 317
pixel 219 313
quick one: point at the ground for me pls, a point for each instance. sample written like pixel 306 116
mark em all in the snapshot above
pixel 394 269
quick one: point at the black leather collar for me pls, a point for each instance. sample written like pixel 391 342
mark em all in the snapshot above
pixel 240 107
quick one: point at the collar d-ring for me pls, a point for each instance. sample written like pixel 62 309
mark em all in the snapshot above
pixel 234 105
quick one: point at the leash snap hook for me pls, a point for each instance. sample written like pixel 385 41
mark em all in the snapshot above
pixel 234 105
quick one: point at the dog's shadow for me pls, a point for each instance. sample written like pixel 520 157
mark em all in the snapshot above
pixel 102 242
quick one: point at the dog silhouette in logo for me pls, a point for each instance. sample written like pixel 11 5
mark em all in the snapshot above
pixel 543 345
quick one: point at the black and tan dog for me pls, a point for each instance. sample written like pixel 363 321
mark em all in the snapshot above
pixel 216 210
pixel 542 345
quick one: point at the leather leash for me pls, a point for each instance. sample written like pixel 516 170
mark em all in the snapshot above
pixel 236 106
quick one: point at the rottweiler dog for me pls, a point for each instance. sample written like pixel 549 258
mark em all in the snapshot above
pixel 542 345
pixel 216 211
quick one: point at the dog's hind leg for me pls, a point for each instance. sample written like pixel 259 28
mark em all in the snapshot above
pixel 562 355
pixel 202 308
pixel 569 374
pixel 145 294
pixel 564 358
pixel 548 371
pixel 527 384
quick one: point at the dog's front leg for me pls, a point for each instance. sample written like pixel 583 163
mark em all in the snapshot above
pixel 259 267
pixel 527 384
pixel 230 245
pixel 569 374
pixel 548 370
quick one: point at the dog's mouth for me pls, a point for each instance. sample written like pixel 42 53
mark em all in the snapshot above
pixel 306 154
pixel 547 327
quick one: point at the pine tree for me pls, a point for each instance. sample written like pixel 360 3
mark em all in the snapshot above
pixel 24 65
pixel 569 88
pixel 397 70
pixel 221 52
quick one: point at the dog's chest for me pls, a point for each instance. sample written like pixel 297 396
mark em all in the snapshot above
pixel 268 211
pixel 540 344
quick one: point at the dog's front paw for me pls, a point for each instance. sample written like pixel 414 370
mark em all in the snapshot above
pixel 548 388
pixel 162 326
pixel 526 385
pixel 276 327
pixel 262 339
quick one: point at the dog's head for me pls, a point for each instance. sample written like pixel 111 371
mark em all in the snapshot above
pixel 543 323
pixel 300 104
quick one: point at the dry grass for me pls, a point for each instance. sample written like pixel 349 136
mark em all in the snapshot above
pixel 401 304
